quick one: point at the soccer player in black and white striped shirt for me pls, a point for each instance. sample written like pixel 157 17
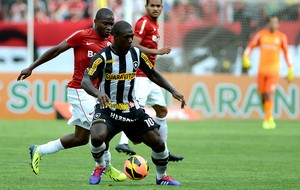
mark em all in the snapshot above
pixel 117 109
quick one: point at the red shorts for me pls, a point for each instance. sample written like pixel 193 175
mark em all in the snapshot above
pixel 266 83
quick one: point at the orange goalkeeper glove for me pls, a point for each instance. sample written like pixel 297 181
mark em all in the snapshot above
pixel 246 62
pixel 290 75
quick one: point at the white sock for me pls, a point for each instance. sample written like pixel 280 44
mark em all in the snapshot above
pixel 107 158
pixel 99 161
pixel 123 139
pixel 50 147
pixel 161 170
pixel 163 130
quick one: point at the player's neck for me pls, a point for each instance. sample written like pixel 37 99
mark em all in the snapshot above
pixel 98 33
pixel 152 18
pixel 272 30
pixel 114 49
pixel 117 50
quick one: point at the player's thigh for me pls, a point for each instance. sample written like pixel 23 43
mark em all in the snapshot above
pixel 152 139
pixel 142 124
pixel 142 86
pixel 103 126
pixel 261 83
pixel 271 83
pixel 156 96
pixel 82 108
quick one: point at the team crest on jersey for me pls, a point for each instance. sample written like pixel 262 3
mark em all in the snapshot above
pixel 155 38
pixel 97 115
pixel 277 40
pixel 135 65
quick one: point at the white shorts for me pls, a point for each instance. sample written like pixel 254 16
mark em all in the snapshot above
pixel 148 93
pixel 82 108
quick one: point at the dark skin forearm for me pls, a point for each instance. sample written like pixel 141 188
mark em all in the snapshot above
pixel 48 55
pixel 88 86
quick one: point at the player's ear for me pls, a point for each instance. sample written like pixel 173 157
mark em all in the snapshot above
pixel 95 20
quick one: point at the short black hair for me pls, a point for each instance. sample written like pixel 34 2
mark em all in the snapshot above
pixel 104 12
pixel 119 27
pixel 147 2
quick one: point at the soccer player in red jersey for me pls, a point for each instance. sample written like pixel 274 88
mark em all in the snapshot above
pixel 146 38
pixel 85 44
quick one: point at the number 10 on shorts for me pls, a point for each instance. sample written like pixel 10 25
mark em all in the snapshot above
pixel 149 122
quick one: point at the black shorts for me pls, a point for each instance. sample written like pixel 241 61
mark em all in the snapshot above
pixel 134 123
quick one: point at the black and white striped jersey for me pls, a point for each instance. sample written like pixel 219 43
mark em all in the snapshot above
pixel 117 74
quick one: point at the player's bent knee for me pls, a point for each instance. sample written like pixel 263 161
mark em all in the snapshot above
pixel 97 139
pixel 159 146
pixel 161 111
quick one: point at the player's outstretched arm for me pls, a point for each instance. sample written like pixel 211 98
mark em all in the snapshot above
pixel 48 55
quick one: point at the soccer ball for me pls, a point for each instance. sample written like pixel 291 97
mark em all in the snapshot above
pixel 136 167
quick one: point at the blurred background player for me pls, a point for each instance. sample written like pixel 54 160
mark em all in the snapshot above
pixel 85 44
pixel 146 38
pixel 270 41
pixel 117 108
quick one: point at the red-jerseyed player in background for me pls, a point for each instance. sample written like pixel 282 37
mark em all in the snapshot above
pixel 146 38
pixel 85 44
pixel 270 41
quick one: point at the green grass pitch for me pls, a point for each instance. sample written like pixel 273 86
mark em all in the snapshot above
pixel 218 155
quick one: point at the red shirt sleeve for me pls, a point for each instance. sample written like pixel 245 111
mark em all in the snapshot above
pixel 140 28
pixel 252 44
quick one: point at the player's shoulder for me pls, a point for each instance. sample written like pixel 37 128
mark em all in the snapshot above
pixel 136 50
pixel 143 20
pixel 281 34
pixel 144 17
pixel 110 39
pixel 81 32
pixel 263 31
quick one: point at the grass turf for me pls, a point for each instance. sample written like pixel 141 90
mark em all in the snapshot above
pixel 218 155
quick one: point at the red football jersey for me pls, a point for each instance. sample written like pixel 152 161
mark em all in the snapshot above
pixel 86 43
pixel 147 30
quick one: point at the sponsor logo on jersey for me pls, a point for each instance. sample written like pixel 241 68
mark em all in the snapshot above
pixel 111 60
pixel 94 66
pixel 147 61
pixel 121 118
pixel 90 53
pixel 89 43
pixel 122 76
pixel 119 106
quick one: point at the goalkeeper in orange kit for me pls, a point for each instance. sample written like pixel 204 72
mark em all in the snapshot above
pixel 270 41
